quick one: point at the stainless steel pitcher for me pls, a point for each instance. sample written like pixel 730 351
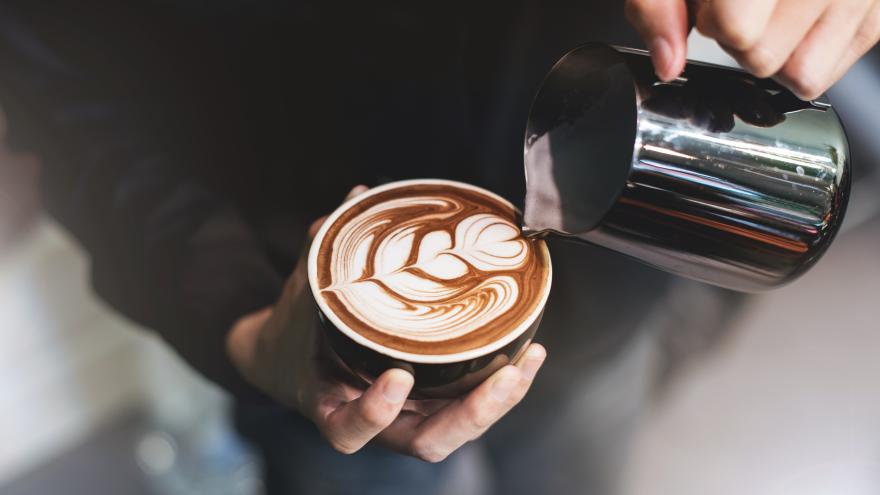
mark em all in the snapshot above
pixel 716 176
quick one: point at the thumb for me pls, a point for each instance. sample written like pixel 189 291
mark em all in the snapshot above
pixel 663 24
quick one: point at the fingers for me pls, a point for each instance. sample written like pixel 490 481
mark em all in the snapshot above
pixel 790 23
pixel 808 72
pixel 807 45
pixel 350 425
pixel 432 439
pixel 865 38
pixel 736 24
pixel 663 24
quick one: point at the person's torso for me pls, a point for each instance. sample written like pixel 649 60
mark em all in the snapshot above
pixel 287 107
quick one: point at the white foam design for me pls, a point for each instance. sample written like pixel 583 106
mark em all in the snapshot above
pixel 427 295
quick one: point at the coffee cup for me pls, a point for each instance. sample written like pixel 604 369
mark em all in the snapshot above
pixel 430 276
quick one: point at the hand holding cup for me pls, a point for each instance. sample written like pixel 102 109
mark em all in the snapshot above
pixel 282 351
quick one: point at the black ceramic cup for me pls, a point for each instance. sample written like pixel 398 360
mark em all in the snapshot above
pixel 436 375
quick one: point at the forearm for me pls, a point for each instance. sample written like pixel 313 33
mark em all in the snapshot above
pixel 273 347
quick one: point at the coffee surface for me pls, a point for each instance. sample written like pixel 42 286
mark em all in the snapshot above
pixel 431 269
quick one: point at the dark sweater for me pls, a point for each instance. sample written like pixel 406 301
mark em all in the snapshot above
pixel 187 145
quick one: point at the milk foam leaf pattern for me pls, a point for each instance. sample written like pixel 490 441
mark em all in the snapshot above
pixel 427 268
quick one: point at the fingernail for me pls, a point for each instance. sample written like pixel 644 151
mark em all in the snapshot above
pixel 503 386
pixel 534 359
pixel 396 390
pixel 661 54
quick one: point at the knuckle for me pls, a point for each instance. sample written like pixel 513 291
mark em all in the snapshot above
pixel 802 81
pixel 737 35
pixel 520 393
pixel 761 62
pixel 732 29
pixel 372 417
pixel 481 416
pixel 845 10
pixel 427 451
pixel 809 90
pixel 343 447
pixel 866 37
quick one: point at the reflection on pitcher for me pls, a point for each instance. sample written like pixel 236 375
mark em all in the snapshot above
pixel 719 176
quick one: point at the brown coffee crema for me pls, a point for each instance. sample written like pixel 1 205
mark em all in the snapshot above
pixel 431 269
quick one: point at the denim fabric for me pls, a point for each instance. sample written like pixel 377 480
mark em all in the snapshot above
pixel 298 460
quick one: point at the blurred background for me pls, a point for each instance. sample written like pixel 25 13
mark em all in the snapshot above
pixel 783 398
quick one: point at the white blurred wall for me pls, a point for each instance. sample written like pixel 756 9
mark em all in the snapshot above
pixel 68 365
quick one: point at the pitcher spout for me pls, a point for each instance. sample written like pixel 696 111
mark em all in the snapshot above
pixel 534 233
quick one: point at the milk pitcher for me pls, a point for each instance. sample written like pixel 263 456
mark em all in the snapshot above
pixel 717 176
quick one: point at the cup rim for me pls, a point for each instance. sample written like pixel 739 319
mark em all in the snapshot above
pixel 396 353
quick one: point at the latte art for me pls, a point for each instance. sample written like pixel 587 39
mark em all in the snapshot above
pixel 423 292
pixel 431 267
